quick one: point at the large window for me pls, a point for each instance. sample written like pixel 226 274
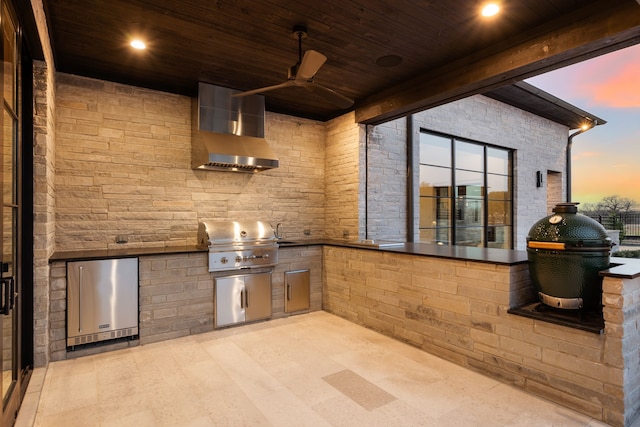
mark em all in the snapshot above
pixel 465 192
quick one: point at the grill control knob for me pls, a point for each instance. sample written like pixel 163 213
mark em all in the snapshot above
pixel 238 259
pixel 224 260
pixel 265 256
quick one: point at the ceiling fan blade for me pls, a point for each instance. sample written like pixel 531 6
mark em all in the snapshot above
pixel 311 63
pixel 330 95
pixel 265 89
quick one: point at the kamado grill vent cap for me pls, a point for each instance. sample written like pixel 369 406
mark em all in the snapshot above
pixel 566 208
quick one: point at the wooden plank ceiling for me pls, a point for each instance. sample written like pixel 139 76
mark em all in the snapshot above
pixel 447 50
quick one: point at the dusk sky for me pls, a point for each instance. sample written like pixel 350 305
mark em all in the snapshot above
pixel 606 159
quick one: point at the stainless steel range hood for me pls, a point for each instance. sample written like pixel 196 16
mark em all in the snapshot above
pixel 228 132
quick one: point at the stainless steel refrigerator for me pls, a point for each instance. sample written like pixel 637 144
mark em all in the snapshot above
pixel 102 300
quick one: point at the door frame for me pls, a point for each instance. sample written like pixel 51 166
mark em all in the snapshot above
pixel 23 270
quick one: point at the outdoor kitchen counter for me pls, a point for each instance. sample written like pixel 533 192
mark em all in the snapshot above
pixel 623 268
pixel 486 255
pixel 88 254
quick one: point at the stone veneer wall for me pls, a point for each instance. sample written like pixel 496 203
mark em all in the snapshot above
pixel 621 298
pixel 539 145
pixel 458 310
pixel 44 137
pixel 123 167
pixel 386 181
pixel 43 204
pixel 344 178
pixel 176 296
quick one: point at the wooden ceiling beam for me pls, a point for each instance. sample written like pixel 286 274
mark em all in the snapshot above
pixel 600 28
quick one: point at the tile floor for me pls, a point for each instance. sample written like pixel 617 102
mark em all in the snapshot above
pixel 310 370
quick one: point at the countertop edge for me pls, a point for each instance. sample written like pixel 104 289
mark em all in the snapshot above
pixel 121 253
pixel 624 268
pixel 464 253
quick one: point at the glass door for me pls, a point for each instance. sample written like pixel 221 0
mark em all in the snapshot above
pixel 10 210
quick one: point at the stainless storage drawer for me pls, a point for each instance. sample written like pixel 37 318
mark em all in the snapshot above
pixel 102 300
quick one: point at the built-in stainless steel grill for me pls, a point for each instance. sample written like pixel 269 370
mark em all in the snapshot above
pixel 235 245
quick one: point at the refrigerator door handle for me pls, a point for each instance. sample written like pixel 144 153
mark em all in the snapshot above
pixel 288 292
pixel 80 270
pixel 13 295
pixel 246 298
pixel 7 291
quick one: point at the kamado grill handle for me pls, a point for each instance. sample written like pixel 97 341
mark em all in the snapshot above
pixel 547 245
pixel 557 246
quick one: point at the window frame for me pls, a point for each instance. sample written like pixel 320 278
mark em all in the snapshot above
pixel 454 230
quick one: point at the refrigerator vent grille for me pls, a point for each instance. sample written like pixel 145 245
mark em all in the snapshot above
pixel 91 338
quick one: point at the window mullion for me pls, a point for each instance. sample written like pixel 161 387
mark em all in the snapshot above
pixel 453 198
pixel 485 200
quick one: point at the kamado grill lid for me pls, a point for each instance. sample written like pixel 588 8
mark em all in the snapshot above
pixel 567 229
pixel 212 233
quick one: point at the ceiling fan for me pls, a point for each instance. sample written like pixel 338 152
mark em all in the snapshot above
pixel 302 73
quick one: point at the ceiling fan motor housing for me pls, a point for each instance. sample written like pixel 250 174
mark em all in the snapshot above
pixel 293 71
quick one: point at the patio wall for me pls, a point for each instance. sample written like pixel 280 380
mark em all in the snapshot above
pixel 457 310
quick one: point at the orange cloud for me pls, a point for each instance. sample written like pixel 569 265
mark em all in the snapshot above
pixel 612 80
pixel 622 90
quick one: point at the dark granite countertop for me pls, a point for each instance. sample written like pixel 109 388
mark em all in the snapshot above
pixel 125 252
pixel 487 255
pixel 623 268
pixel 491 256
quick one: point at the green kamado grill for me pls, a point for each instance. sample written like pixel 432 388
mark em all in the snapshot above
pixel 566 252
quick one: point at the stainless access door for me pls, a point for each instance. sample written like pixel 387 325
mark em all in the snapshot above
pixel 229 300
pixel 102 300
pixel 257 299
pixel 242 298
pixel 297 290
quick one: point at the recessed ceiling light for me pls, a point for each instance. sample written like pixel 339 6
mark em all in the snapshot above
pixel 138 44
pixel 490 9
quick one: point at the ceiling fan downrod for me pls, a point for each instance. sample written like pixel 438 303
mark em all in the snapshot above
pixel 299 32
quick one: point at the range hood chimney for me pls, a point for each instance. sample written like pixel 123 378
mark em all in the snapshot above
pixel 228 132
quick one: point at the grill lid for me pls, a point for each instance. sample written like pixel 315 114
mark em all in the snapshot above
pixel 218 233
pixel 567 229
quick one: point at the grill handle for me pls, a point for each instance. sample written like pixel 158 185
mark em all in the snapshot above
pixel 547 245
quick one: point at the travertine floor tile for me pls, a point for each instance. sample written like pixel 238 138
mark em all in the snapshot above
pixel 275 374
pixel 358 389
